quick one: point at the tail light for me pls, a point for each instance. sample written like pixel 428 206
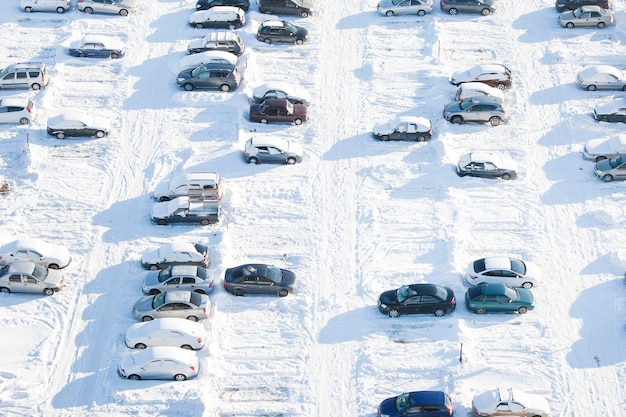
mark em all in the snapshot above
pixel 193 368
pixel 453 302
pixel 473 276
pixel 226 284
pixel 205 261
pixel 200 340
pixel 449 410
pixel 211 284
pixel 204 310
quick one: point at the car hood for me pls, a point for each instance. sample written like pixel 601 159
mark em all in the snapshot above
pixel 160 210
pixel 289 278
pixel 162 188
pixel 144 304
pixel 383 129
pixel 151 279
pixel 186 73
pixel 569 15
pixel 389 297
pixel 454 107
pixel 127 361
pixel 610 108
pixel 604 165
pixel 295 148
pixel 387 407
pixel 302 32
pixel 460 76
pixel 508 164
pixel 532 270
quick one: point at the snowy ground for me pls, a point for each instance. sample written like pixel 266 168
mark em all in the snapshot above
pixel 357 217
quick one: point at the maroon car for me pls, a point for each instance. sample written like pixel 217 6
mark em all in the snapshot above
pixel 565 5
pixel 278 110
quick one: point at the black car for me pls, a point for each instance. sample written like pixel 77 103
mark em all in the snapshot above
pixel 272 31
pixel 614 112
pixel 565 5
pixel 417 299
pixel 77 124
pixel 302 8
pixel 259 279
pixel 207 4
pixel 417 404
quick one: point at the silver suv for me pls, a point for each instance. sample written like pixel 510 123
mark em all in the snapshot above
pixel 210 76
pixel 24 75
pixel 476 109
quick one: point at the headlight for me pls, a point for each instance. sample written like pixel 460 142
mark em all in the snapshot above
pixel 180 79
pixel 384 306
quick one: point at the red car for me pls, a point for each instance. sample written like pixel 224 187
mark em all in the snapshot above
pixel 278 110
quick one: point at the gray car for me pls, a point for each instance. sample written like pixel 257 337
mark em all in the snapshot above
pixel 487 165
pixel 179 304
pixel 476 109
pixel 179 277
pixel 121 7
pixel 485 7
pixel 611 169
pixel 210 76
pixel 30 277
pixel 586 16
pixel 397 7
pixel 601 77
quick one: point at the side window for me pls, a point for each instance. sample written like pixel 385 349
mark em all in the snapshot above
pixel 189 280
pixel 15 278
pixel 33 74
pixel 31 280
pixel 21 75
pixel 10 76
pixel 489 166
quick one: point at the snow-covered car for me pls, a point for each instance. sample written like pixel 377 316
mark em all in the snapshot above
pixel 604 148
pixel 270 150
pixel 207 4
pixel 281 31
pixel 477 109
pixel 59 6
pixel 509 402
pixel 206 185
pixel 601 77
pixel 77 124
pixel 398 7
pixel 98 46
pixel 176 253
pixel 186 210
pixel 472 89
pixel 586 16
pixel 160 362
pixel 218 17
pixel 121 7
pixel 278 110
pixel 210 76
pixel 17 110
pixel 613 112
pixel 206 57
pixel 181 333
pixel 281 89
pixel 218 40
pixel 504 270
pixel 37 251
pixel 495 75
pixel 611 169
pixel 487 165
pixel 30 277
pixel 417 404
pixel 178 277
pixel 173 304
pixel 404 128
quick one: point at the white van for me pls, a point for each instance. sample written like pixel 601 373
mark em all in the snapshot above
pixel 59 6
pixel 473 89
pixel 196 185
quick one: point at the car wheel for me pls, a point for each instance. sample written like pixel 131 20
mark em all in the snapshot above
pixel 204 222
pixel 140 346
pixel 601 25
pixel 24 121
pixel 291 161
pixel 134 377
pixel 253 160
pixel 164 198
pixel 304 14
pixel 480 311
pixel 225 88
pixel 123 12
pixel 60 135
pixel 264 121
pixel 440 312
pixel 186 347
pixel 297 122
pixel 48 291
pixel 522 310
pixel 394 314
pixel 153 267
pixel 5 290
pixel 188 87
pixel 179 377
pixel 453 11
pixel 506 176
pixel 192 318
pixel 154 291
pixel 501 86
pixel 239 292
pixel 600 158
pixel 624 89
pixel 88 10
pixel 421 138
pixel 99 134
pixel 283 292
pixel 569 25
pixel 53 266
pixel 81 54
pixel 199 26
pixel 146 318
pixel 527 285
pixel 267 41
pixel 35 86
pixel 384 137
pixel 421 13
pixel 299 41
pixel 28 9
pixel 457 120
pixel 60 10
pixel 591 87
pixel 114 55
pixel 161 222
pixel 485 12
pixel 495 121
pixel 607 178
pixel 389 13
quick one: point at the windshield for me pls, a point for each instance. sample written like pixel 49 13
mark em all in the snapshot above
pixel 615 162
pixel 274 274
pixel 297 2
pixel 396 2
pixel 404 292
pixel 165 274
pixel 466 104
pixel 158 300
pixel 291 28
pixel 39 272
pixel 402 402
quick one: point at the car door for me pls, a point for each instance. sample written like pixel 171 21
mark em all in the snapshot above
pixel 32 284
pixel 172 284
pixel 166 310
pixel 249 284
pixel 620 172
pixel 25 255
pixel 406 7
pixel 9 114
pixel 8 81
pixel 491 170
pixel 152 369
pixel 265 286
pixel 15 283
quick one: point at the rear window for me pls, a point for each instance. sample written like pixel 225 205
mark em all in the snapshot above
pixel 479 265
pixel 518 266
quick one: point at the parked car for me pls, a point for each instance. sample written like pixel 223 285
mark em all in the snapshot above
pixel 30 277
pixel 121 7
pixel 210 76
pixel 186 210
pixel 613 112
pixel 601 77
pixel 206 185
pixel 302 8
pixel 404 128
pixel 510 402
pixel 272 151
pixel 398 7
pixel 282 90
pixel 59 6
pixel 188 305
pixel 605 148
pixel 484 7
pixel 281 31
pixel 417 404
pixel 278 110
pixel 494 75
pixel 417 299
pixel 24 75
pixel 37 251
pixel 586 16
pixel 16 110
pixel 207 4
pixel 227 41
pixel 503 270
pixel 161 362
pixel 75 124
pixel 564 5
pixel 476 88
pixel 178 277
pixel 611 169
pixel 99 46
pixel 259 279
pixel 184 334
pixel 478 109
pixel 218 17
pixel 206 57
pixel 487 165
pixel 176 253
pixel 500 298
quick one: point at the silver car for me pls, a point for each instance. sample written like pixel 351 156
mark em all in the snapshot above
pixel 611 169
pixel 601 77
pixel 30 277
pixel 587 16
pixel 181 304
pixel 179 277
pixel 121 7
pixel 476 109
pixel 160 362
pixel 484 7
pixel 37 251
pixel 394 7
pixel 59 6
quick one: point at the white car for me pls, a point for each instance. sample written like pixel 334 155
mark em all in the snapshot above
pixel 59 6
pixel 510 402
pixel 601 77
pixel 472 89
pixel 121 7
pixel 495 75
pixel 176 253
pixel 502 270
pixel 395 7
pixel 160 362
pixel 17 111
pixel 604 148
pixel 31 278
pixel 281 89
pixel 202 184
pixel 37 251
pixel 404 128
pixel 174 332
pixel 207 57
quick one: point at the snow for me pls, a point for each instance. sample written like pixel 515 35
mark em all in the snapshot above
pixel 355 218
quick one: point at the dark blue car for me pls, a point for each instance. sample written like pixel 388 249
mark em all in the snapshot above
pixel 417 404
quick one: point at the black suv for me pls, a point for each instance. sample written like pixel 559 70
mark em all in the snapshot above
pixel 272 31
pixel 302 8
pixel 207 4
pixel 565 5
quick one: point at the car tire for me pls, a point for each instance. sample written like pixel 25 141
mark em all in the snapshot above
pixel 389 13
pixel 421 138
pixel 591 87
pixel 304 14
pixel 267 41
pixel 134 377
pixel 453 11
pixel 607 178
pixel 569 25
pixel 600 158
pixel 186 347
pixel 53 266
pixel 394 313
pixel 28 9
pixel 153 267
pixel 60 135
pixel 283 292
pixel 225 88
pixel 5 290
pixel 501 86
pixel 522 310
pixel 161 222
pixel 239 292
pixel 36 86
pixel 297 122
pixel 140 346
pixel 299 41
pixel 384 138
pixel 147 318
pixel 204 222
pixel 506 176
pixel 527 285
pixel 154 291
pixel 601 25
pixel 81 54
pixel 179 377
pixel 24 121
pixel 164 198
pixel 60 10
pixel 114 55
pixel 188 87
pixel 264 121
pixel 440 312
pixel 99 134
pixel 199 26
pixel 421 13
pixel 485 12
pixel 457 120
pixel 192 318
pixel 48 291
pixel 480 311
pixel 495 121
pixel 291 161
pixel 123 12
pixel 88 10
pixel 253 160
